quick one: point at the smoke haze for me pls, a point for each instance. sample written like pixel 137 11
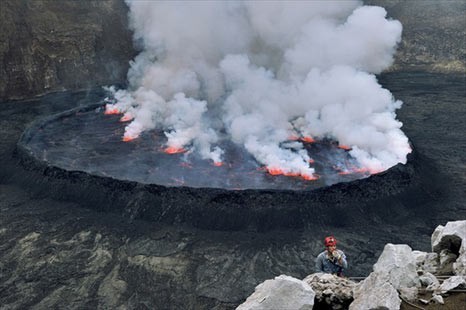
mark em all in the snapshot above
pixel 261 72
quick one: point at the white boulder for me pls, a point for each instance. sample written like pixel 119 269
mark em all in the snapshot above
pixel 394 271
pixel 437 299
pixel 453 283
pixel 429 280
pixel 283 292
pixel 381 296
pixel 426 262
pixel 398 262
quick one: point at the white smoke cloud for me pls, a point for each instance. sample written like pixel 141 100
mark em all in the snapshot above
pixel 269 70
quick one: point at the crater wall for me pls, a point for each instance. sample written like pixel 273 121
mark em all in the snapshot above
pixel 48 45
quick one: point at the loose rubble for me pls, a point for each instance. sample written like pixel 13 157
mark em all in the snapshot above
pixel 331 290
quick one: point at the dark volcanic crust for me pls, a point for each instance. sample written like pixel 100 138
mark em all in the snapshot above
pixel 379 196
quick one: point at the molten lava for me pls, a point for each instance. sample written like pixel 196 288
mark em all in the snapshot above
pixel 311 177
pixel 274 171
pixel 308 139
pixel 126 117
pixel 128 138
pixel 218 163
pixel 356 170
pixel 278 171
pixel 344 147
pixel 110 109
pixel 174 150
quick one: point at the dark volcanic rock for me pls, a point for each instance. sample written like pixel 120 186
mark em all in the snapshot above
pixel 54 45
pixel 48 45
pixel 54 252
pixel 224 209
pixel 434 33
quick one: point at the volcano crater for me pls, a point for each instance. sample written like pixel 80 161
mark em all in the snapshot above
pixel 83 156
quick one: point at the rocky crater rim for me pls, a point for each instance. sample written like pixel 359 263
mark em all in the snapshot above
pixel 218 208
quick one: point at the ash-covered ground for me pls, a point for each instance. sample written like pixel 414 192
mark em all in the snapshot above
pixel 55 253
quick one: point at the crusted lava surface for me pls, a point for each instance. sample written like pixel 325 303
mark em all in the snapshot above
pixel 84 139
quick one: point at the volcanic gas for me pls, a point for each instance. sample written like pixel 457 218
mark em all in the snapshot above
pixel 89 139
pixel 245 95
pixel 270 77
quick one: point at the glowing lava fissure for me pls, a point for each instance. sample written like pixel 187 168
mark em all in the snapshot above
pixel 90 141
pixel 351 167
pixel 174 150
pixel 110 109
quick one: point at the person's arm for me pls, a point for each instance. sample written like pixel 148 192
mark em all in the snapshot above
pixel 341 259
pixel 319 264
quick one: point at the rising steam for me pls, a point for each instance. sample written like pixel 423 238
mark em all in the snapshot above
pixel 262 72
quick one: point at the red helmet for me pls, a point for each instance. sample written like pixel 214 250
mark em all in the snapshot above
pixel 330 241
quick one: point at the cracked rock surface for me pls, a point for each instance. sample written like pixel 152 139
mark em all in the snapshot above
pixel 55 252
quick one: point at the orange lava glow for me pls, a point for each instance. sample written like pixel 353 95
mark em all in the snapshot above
pixel 278 171
pixel 345 172
pixel 274 171
pixel 109 111
pixel 126 118
pixel 308 139
pixel 128 138
pixel 311 161
pixel 311 177
pixel 218 163
pixel 174 150
pixel 344 147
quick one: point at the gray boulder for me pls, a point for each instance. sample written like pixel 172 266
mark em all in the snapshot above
pixel 429 280
pixel 426 262
pixel 437 299
pixel 451 240
pixel 283 292
pixel 455 282
pixel 331 291
pixel 394 271
pixel 446 260
pixel 375 294
pixel 399 264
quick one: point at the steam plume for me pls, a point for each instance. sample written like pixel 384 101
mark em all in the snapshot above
pixel 268 71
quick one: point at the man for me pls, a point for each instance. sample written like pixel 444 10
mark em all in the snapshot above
pixel 331 260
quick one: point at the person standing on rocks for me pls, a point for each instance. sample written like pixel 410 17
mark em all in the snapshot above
pixel 331 260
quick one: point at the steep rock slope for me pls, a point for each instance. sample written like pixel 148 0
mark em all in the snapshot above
pixel 54 45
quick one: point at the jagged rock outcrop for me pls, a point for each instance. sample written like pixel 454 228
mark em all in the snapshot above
pixel 395 271
pixel 450 242
pixel 48 45
pixel 433 34
pixel 455 282
pixel 398 275
pixel 283 292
